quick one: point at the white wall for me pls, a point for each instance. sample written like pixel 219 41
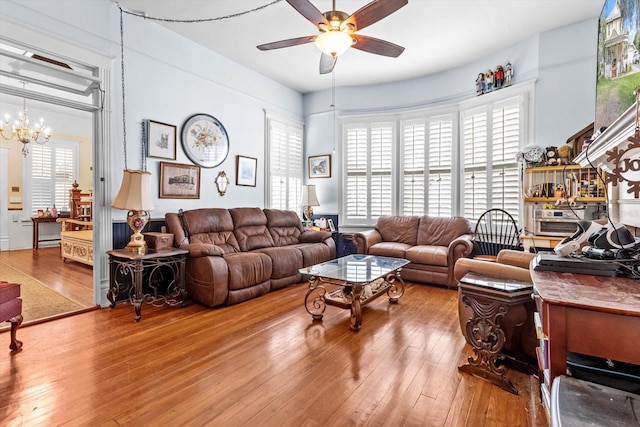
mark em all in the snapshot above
pixel 562 62
pixel 168 78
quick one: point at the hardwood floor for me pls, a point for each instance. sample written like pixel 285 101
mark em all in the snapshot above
pixel 262 362
pixel 74 280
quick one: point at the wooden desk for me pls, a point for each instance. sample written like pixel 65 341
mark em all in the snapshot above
pixel 592 315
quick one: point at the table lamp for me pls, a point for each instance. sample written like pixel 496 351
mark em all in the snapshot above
pixel 309 199
pixel 135 196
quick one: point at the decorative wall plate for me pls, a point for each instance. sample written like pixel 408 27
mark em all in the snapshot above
pixel 205 140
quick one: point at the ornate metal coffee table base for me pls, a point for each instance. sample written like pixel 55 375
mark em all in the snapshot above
pixel 351 296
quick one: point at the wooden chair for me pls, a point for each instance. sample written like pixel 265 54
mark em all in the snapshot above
pixel 11 310
pixel 495 230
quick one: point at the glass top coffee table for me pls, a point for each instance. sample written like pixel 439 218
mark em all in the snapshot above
pixel 351 282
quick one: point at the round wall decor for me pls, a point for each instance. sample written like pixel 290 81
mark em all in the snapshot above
pixel 205 140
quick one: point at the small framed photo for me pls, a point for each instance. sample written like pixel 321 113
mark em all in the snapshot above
pixel 178 181
pixel 331 225
pixel 320 166
pixel 161 140
pixel 246 171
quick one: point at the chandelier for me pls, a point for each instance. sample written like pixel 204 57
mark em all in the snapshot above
pixel 22 131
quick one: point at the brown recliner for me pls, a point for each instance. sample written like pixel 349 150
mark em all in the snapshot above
pixel 521 340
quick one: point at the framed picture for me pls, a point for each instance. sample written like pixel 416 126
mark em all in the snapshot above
pixel 331 225
pixel 246 171
pixel 204 140
pixel 320 166
pixel 178 181
pixel 161 140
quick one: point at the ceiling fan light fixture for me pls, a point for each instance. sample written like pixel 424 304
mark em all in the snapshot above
pixel 334 43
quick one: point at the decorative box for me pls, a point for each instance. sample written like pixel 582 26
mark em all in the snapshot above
pixel 157 240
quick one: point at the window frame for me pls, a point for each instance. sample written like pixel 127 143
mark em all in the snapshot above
pixel 292 201
pixel 55 144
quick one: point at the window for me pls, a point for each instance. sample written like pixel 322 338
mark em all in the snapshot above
pixel 285 165
pixel 427 160
pixel 459 160
pixel 368 171
pixel 51 169
pixel 492 138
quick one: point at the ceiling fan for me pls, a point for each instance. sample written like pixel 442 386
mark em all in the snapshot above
pixel 337 31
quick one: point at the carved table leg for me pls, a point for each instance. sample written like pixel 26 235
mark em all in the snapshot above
pixel 487 338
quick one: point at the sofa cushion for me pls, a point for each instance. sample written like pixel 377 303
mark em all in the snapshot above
pixel 285 227
pixel 284 261
pixel 441 231
pixel 391 249
pixel 401 229
pixel 251 229
pixel 314 253
pixel 212 226
pixel 428 254
pixel 248 269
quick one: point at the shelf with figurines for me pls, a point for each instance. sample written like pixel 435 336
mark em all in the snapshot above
pixel 493 80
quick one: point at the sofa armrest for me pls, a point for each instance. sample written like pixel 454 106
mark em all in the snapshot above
pixel 515 258
pixel 365 239
pixel 197 250
pixel 311 236
pixel 461 246
pixel 490 269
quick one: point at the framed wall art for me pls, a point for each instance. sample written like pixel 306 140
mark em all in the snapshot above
pixel 320 166
pixel 178 181
pixel 246 171
pixel 204 140
pixel 161 140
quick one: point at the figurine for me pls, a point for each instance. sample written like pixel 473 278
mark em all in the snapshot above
pixel 499 77
pixel 489 80
pixel 508 74
pixel 480 84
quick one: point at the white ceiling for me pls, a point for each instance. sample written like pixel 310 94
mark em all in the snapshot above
pixel 437 34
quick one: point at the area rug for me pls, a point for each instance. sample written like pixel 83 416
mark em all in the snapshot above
pixel 39 301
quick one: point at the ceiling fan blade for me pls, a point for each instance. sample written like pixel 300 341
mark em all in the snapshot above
pixel 309 11
pixel 287 43
pixel 372 13
pixel 377 46
pixel 327 62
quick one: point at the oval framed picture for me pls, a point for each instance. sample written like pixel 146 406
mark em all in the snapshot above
pixel 204 140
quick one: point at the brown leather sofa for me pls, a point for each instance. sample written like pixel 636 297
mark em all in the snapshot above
pixel 521 340
pixel 242 253
pixel 431 244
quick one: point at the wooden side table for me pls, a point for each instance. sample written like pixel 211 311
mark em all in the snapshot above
pixel 37 220
pixel 128 271
pixel 491 300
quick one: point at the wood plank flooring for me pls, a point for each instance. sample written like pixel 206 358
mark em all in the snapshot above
pixel 263 362
pixel 71 279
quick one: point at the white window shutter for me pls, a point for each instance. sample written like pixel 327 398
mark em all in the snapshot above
pixel 285 165
pixel 52 169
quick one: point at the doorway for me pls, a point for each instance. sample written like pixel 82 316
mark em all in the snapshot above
pixel 72 97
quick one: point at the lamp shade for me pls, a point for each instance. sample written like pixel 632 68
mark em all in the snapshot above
pixel 309 197
pixel 334 42
pixel 135 191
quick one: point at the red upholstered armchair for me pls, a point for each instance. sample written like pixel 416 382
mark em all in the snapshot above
pixel 11 310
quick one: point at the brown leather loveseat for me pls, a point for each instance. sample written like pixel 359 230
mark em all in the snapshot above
pixel 242 253
pixel 432 244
